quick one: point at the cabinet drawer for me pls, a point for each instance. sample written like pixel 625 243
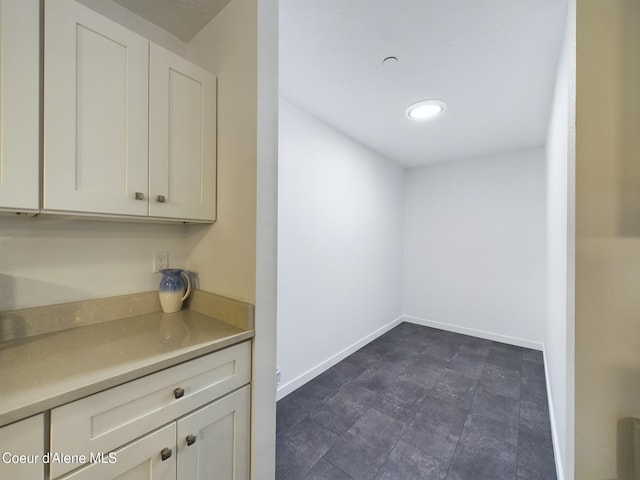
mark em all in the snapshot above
pixel 106 420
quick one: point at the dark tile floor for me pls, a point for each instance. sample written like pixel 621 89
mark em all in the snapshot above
pixel 420 404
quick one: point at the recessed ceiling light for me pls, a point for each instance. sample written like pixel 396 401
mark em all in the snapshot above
pixel 425 109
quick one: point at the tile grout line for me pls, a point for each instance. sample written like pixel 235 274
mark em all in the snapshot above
pixel 484 366
pixel 335 466
pixel 406 425
pixel 390 452
pixel 338 437
pixel 519 416
pixel 403 430
pixel 416 407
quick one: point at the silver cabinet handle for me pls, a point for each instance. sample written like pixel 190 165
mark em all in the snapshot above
pixel 165 453
pixel 139 196
pixel 191 439
pixel 161 199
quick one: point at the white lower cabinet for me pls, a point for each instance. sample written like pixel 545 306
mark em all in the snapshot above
pixel 212 442
pixel 216 439
pixel 189 422
pixel 150 458
pixel 22 449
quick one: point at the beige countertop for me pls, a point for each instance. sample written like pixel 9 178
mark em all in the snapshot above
pixel 43 371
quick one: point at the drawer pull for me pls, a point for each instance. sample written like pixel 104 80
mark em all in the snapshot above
pixel 165 453
pixel 161 198
pixel 178 392
pixel 139 196
pixel 191 439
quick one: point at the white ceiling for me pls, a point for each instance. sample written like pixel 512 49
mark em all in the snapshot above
pixel 492 61
pixel 183 18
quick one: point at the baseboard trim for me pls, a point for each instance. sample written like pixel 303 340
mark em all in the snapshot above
pixel 300 380
pixel 519 342
pixel 552 419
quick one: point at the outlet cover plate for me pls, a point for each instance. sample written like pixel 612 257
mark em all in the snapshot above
pixel 160 260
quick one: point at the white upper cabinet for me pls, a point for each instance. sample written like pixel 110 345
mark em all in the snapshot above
pixel 182 135
pixel 129 128
pixel 19 105
pixel 95 113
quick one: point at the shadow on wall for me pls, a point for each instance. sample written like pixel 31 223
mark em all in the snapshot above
pixel 628 104
pixel 7 293
pixel 629 449
pixel 11 286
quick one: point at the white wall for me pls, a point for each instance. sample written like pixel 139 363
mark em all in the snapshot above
pixel 237 255
pixel 339 245
pixel 46 261
pixel 225 253
pixel 474 247
pixel 607 229
pixel 559 328
pixel 263 415
pixel 49 260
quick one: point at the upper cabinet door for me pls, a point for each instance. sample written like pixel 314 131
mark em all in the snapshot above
pixel 95 113
pixel 182 138
pixel 19 104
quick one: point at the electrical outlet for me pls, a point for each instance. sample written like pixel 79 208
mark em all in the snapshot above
pixel 160 261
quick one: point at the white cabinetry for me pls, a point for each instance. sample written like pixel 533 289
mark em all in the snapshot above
pixel 216 439
pixel 22 438
pixel 212 442
pixel 144 459
pixel 123 136
pixel 19 105
pixel 95 113
pixel 182 134
pixel 111 420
